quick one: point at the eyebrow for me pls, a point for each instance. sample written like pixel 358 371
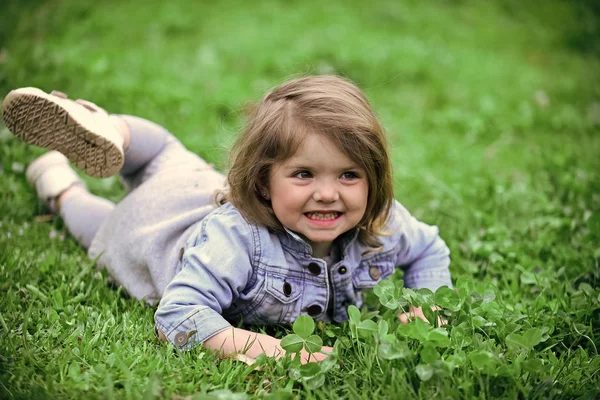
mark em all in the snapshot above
pixel 301 166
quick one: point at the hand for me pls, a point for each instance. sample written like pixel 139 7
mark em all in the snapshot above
pixel 306 357
pixel 417 312
pixel 229 342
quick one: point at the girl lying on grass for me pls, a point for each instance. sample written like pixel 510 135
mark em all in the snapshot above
pixel 303 223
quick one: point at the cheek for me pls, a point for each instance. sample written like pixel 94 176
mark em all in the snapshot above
pixel 356 201
pixel 362 197
pixel 284 200
pixel 361 200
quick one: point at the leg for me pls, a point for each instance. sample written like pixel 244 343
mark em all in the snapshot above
pixel 93 140
pixel 80 130
pixel 83 213
pixel 151 150
pixel 60 188
pixel 145 140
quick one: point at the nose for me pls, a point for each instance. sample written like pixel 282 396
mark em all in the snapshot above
pixel 326 192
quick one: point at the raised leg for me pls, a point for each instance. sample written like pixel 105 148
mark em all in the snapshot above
pixel 146 140
pixel 96 142
pixel 153 150
pixel 80 130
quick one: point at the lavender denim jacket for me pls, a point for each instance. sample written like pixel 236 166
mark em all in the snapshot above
pixel 234 271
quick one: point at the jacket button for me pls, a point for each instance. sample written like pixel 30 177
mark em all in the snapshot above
pixel 374 273
pixel 287 289
pixel 342 270
pixel 314 310
pixel 181 339
pixel 181 253
pixel 314 268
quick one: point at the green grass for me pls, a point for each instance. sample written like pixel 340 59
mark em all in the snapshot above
pixel 493 114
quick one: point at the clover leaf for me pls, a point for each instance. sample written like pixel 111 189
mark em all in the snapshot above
pixel 303 326
pixel 302 337
pixel 292 343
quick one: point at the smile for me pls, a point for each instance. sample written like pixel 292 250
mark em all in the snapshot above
pixel 322 216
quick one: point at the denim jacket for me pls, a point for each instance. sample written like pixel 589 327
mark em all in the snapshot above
pixel 234 271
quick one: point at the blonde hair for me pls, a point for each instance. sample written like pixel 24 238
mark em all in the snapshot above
pixel 326 105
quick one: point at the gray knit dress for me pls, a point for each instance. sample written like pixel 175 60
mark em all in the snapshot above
pixel 141 241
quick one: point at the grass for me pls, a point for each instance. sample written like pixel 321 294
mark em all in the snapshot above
pixel 493 114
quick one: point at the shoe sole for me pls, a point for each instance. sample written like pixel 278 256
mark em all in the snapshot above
pixel 41 122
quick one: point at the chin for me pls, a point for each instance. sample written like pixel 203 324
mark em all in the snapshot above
pixel 322 239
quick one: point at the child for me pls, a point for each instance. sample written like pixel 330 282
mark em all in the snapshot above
pixel 306 221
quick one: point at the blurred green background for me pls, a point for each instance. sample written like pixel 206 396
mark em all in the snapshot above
pixel 465 73
pixel 470 92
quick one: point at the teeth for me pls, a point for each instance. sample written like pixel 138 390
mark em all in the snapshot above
pixel 322 216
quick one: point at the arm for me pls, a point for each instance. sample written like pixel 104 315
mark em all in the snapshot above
pixel 423 255
pixel 216 269
pixel 235 340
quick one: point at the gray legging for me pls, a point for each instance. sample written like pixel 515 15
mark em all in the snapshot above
pixel 83 212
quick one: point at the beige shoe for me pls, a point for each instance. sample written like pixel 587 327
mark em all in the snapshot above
pixel 50 175
pixel 78 129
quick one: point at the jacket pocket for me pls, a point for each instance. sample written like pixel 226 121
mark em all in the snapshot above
pixel 370 272
pixel 277 302
pixel 282 288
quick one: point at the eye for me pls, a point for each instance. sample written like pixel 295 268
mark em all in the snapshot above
pixel 302 174
pixel 349 175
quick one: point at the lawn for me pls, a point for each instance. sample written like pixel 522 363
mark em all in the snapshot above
pixel 492 110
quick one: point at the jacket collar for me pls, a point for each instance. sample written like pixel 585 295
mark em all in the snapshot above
pixel 294 242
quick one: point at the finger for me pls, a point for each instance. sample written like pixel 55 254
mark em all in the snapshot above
pixel 315 357
pixel 421 316
pixel 306 357
pixel 417 312
pixel 403 318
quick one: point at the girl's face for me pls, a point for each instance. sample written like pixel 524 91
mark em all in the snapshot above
pixel 318 193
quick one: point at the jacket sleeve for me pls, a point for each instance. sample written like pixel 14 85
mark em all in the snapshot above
pixel 216 268
pixel 422 254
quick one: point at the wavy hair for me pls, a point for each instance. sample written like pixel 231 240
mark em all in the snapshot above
pixel 329 106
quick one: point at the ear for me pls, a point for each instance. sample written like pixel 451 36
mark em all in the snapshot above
pixel 263 191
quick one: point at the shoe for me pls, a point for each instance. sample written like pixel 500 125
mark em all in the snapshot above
pixel 50 175
pixel 80 130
